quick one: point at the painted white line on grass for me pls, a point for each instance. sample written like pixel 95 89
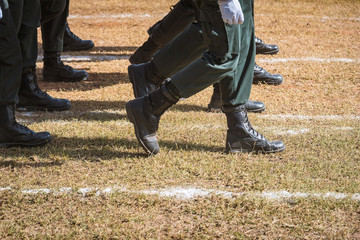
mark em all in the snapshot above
pixel 93 58
pixel 131 15
pixel 309 59
pixel 314 117
pixel 188 193
pixel 107 16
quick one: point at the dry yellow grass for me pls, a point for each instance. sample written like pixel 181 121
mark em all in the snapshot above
pixel 94 145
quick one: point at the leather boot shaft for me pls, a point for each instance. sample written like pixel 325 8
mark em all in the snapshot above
pixel 242 137
pixel 56 71
pixel 14 134
pixel 161 100
pixel 32 98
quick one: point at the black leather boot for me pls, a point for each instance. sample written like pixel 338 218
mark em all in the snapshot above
pixel 263 48
pixel 74 43
pixel 14 134
pixel 241 137
pixel 144 78
pixel 264 77
pixel 56 71
pixel 216 103
pixel 32 98
pixel 145 113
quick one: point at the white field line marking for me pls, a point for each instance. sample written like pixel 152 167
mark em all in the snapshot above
pixel 309 59
pixel 315 117
pixel 130 15
pixel 273 116
pixel 185 193
pixel 107 16
pixel 91 58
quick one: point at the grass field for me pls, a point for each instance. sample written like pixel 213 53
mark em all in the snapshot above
pixel 94 181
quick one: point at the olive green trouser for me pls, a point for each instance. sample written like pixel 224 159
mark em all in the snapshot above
pixel 10 58
pixel 53 30
pixel 229 59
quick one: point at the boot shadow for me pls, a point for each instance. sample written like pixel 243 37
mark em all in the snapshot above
pixel 95 81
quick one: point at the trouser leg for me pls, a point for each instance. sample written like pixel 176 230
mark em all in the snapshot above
pixel 10 58
pixel 223 60
pixel 53 30
pixel 26 17
pixel 173 23
pixel 237 91
pixel 183 50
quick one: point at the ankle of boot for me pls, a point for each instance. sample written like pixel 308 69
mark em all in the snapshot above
pixel 51 58
pixel 152 74
pixel 27 70
pixel 233 109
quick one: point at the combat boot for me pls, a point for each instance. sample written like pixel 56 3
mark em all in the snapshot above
pixel 264 77
pixel 74 43
pixel 14 134
pixel 144 78
pixel 241 137
pixel 145 113
pixel 263 48
pixel 56 71
pixel 216 103
pixel 32 98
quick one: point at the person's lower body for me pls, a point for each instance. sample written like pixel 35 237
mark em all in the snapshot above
pixel 12 133
pixel 53 36
pixel 31 97
pixel 147 77
pixel 230 60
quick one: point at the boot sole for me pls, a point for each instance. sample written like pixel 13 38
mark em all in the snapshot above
pixel 268 52
pixel 68 49
pixel 267 82
pixel 48 78
pixel 254 151
pixel 218 110
pixel 131 118
pixel 7 145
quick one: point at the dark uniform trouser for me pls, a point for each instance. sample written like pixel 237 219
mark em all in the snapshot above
pixel 230 55
pixel 10 58
pixel 53 30
pixel 26 15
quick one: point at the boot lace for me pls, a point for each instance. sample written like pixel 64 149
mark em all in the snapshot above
pixel 12 120
pixel 258 40
pixel 35 84
pixel 258 68
pixel 72 35
pixel 250 128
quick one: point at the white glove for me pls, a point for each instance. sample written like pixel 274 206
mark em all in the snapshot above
pixel 231 11
pixel 0 13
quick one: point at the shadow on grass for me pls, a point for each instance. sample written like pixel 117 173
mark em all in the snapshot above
pixel 20 164
pixel 189 108
pixel 95 81
pixel 87 149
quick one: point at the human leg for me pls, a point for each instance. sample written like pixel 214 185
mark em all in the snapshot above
pixel 12 133
pixel 53 34
pixel 31 97
pixel 165 30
